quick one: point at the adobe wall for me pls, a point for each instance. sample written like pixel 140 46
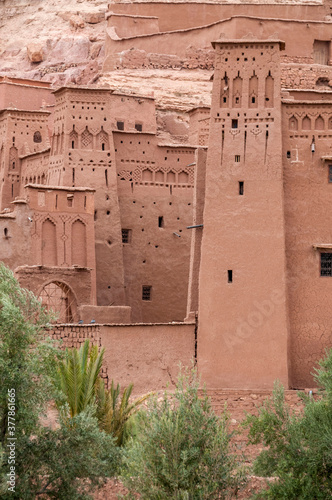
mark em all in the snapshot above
pixel 197 232
pixel 27 95
pixel 190 48
pixel 308 223
pixel 63 228
pixel 178 15
pixel 155 187
pixel 146 354
pixel 83 154
pixel 242 320
pixel 15 236
pixel 21 133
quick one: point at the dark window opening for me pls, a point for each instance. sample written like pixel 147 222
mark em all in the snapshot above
pixel 230 276
pixel 241 188
pixel 5 232
pixel 37 137
pixel 161 221
pixel 103 146
pixel 234 123
pixel 237 158
pixel 95 215
pixel 330 173
pixel 326 264
pixel 72 144
pixel 138 127
pixel 126 235
pixel 288 154
pixel 70 200
pixel 253 100
pixel 224 99
pixel 146 292
pixel 120 125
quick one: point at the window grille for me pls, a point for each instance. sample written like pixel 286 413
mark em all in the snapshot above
pixel 326 264
pixel 146 292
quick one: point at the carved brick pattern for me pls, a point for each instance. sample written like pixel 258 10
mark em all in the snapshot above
pixel 86 139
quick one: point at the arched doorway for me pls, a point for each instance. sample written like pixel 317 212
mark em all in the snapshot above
pixel 59 298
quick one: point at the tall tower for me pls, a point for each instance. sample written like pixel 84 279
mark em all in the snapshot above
pixel 83 155
pixel 242 330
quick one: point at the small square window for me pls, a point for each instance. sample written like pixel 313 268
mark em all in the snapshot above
pixel 138 127
pixel 126 235
pixel 234 123
pixel 330 173
pixel 146 292
pixel 237 158
pixel 120 125
pixel 326 264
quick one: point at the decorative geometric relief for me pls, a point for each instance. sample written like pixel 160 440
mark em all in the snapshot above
pixel 319 123
pixel 306 123
pixel 147 175
pixel 86 139
pixel 102 141
pixel 293 123
pixel 183 178
pixel 13 157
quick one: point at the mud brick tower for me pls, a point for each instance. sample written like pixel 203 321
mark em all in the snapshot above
pixel 242 331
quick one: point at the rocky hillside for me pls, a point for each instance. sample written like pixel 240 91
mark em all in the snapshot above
pixel 55 40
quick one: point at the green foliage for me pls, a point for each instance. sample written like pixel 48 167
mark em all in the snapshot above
pixel 182 448
pixel 299 449
pixel 83 388
pixel 67 463
pixel 64 463
pixel 79 376
pixel 115 415
pixel 27 361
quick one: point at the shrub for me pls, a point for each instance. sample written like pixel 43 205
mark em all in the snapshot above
pixel 182 448
pixel 299 449
pixel 64 463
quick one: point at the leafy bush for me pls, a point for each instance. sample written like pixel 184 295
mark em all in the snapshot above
pixel 182 448
pixel 64 463
pixel 299 449
pixel 115 414
pixel 82 388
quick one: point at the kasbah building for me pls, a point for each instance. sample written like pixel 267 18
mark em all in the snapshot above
pixel 218 248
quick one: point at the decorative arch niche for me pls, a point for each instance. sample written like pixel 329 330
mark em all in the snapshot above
pixel 49 243
pixel 78 244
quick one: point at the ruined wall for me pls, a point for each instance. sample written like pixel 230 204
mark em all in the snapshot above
pixel 190 48
pixel 307 187
pixel 179 15
pixel 24 94
pixel 147 355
